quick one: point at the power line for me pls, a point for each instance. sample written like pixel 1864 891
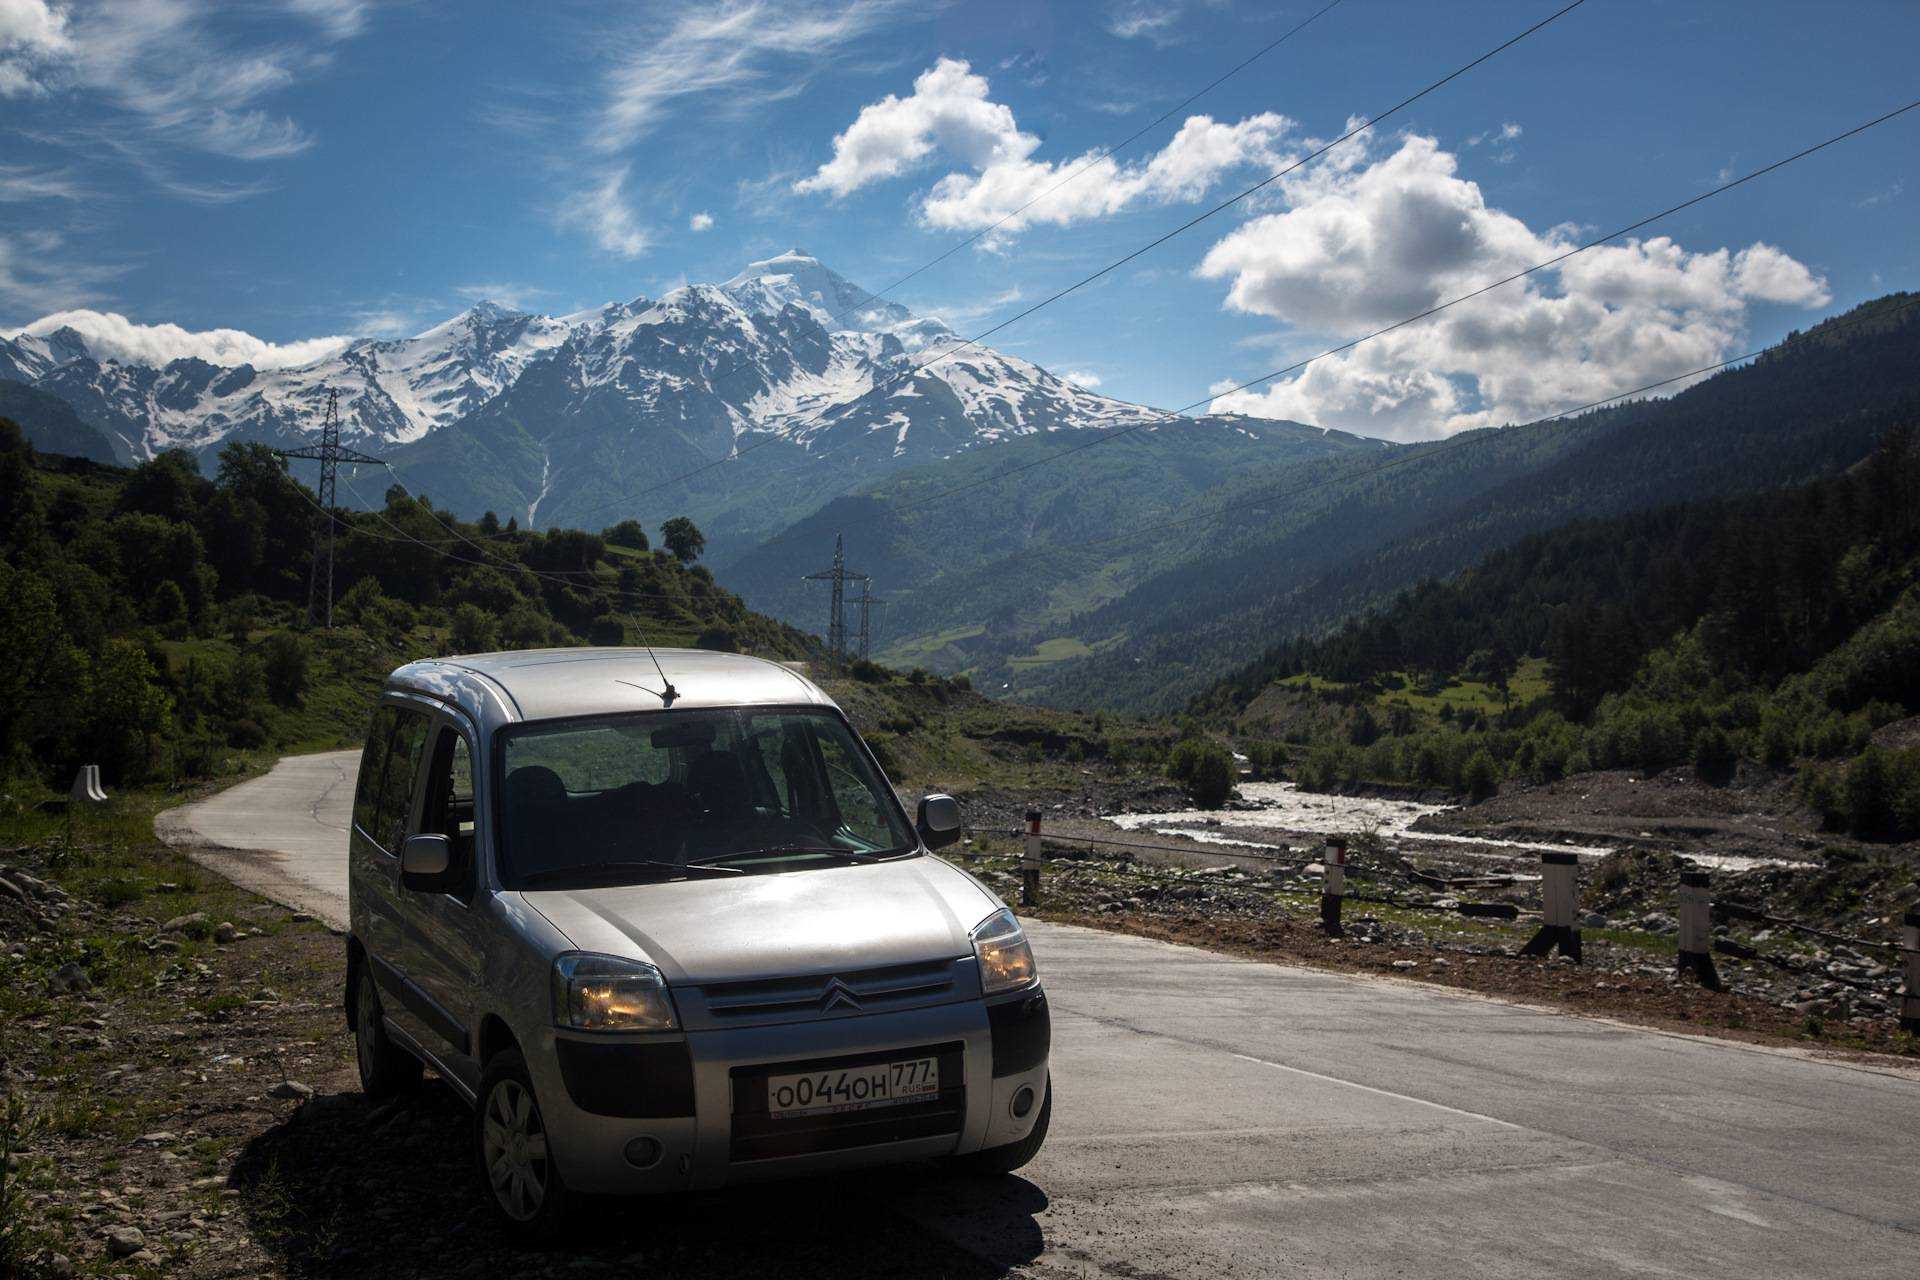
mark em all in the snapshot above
pixel 921 502
pixel 914 370
pixel 330 453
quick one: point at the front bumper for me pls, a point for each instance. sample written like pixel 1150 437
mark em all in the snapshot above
pixel 996 1048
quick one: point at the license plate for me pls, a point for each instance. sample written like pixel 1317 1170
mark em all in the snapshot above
pixel 880 1084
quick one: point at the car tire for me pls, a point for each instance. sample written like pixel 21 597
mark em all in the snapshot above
pixel 997 1162
pixel 518 1174
pixel 385 1068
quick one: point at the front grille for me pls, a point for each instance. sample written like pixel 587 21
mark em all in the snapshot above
pixel 757 1136
pixel 824 995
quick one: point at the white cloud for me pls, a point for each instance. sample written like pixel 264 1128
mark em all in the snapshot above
pixel 37 275
pixel 1081 378
pixel 950 114
pixel 340 19
pixel 700 222
pixel 21 182
pixel 734 56
pixel 112 336
pixel 1146 19
pixel 602 212
pixel 33 41
pixel 1387 236
pixel 734 46
pixel 171 64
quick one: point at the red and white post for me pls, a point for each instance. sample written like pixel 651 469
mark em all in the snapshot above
pixel 1910 952
pixel 1031 861
pixel 1333 886
pixel 1559 901
pixel 1696 929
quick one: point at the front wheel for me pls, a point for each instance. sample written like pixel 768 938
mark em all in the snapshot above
pixel 516 1163
pixel 995 1162
pixel 385 1068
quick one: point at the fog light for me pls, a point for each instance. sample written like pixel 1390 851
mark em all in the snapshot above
pixel 643 1153
pixel 1022 1103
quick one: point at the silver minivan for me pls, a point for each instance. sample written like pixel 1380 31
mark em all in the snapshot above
pixel 659 917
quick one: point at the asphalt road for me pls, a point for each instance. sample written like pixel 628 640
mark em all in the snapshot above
pixel 1221 1117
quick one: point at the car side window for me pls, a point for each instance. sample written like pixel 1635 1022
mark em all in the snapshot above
pixel 373 760
pixel 400 748
pixel 449 806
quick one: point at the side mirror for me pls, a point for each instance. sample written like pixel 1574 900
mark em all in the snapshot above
pixel 425 864
pixel 939 821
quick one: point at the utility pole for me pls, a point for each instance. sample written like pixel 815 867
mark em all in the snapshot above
pixel 329 454
pixel 839 575
pixel 867 601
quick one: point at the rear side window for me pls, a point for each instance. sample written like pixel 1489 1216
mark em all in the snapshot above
pixel 384 800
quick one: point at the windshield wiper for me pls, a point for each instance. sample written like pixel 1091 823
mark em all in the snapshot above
pixel 592 870
pixel 773 851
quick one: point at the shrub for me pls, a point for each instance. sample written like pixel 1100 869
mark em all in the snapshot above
pixel 1869 793
pixel 1713 755
pixel 247 734
pixel 867 672
pixel 1205 768
pixel 1481 777
pixel 719 638
pixel 474 630
pixel 284 658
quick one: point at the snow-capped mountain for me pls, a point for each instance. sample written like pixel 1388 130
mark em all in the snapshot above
pixel 541 417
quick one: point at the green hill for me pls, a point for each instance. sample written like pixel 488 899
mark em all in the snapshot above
pixel 154 620
pixel 1780 629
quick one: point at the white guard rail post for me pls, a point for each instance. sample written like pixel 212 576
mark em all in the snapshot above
pixel 1031 860
pixel 1557 907
pixel 1696 929
pixel 1333 888
pixel 1910 993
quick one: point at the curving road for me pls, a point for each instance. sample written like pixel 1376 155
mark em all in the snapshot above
pixel 1220 1117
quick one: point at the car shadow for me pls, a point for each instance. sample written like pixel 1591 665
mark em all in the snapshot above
pixel 344 1187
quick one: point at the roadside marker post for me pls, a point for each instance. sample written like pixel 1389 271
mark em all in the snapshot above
pixel 1696 929
pixel 1030 862
pixel 1557 906
pixel 1333 888
pixel 1910 993
pixel 86 790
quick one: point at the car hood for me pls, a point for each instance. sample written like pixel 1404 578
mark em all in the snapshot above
pixel 828 919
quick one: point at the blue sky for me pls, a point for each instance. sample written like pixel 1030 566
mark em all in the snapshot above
pixel 310 168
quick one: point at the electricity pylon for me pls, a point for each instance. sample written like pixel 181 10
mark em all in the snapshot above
pixel 329 453
pixel 866 602
pixel 839 575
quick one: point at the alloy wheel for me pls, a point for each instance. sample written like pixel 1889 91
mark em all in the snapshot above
pixel 515 1150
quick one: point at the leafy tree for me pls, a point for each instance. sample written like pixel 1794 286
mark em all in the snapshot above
pixel 1206 769
pixel 1870 793
pixel 628 533
pixel 127 711
pixel 1713 755
pixel 721 639
pixel 683 539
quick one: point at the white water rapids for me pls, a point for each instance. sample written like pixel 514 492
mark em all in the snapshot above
pixel 1285 808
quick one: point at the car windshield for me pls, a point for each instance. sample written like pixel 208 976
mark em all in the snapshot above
pixel 673 794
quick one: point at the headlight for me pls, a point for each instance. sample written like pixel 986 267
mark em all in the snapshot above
pixel 606 993
pixel 1006 961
